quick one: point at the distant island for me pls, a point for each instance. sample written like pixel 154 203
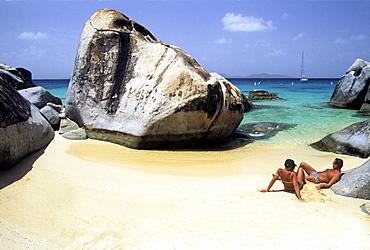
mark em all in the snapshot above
pixel 261 75
pixel 265 75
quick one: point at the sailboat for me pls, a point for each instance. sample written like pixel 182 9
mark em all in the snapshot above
pixel 303 77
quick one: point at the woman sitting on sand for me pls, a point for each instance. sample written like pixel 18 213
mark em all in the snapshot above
pixel 290 179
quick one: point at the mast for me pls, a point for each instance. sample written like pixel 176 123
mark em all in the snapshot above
pixel 302 65
pixel 303 77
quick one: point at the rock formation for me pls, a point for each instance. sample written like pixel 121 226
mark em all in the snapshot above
pixel 352 91
pixel 259 95
pixel 352 140
pixel 23 130
pixel 355 183
pixel 129 88
pixel 21 79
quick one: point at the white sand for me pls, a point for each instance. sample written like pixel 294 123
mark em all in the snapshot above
pixel 97 195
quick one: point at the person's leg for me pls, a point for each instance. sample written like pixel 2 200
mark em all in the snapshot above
pixel 309 170
pixel 300 177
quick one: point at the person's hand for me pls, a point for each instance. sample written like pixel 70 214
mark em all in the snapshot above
pixel 319 186
pixel 263 191
pixel 301 199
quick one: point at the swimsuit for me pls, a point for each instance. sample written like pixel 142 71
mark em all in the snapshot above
pixel 314 174
pixel 289 182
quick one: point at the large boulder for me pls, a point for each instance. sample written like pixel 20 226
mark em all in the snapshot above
pixel 18 78
pixel 39 96
pixel 129 88
pixel 355 183
pixel 350 92
pixel 352 140
pixel 23 130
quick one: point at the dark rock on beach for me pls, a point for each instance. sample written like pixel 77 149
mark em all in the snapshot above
pixel 18 78
pixel 129 88
pixel 258 95
pixel 352 91
pixel 352 140
pixel 355 183
pixel 23 130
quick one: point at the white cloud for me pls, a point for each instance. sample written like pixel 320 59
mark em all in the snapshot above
pixel 233 22
pixel 300 35
pixel 277 53
pixel 222 41
pixel 263 43
pixel 259 43
pixel 32 53
pixel 285 16
pixel 359 37
pixel 34 36
pixel 341 40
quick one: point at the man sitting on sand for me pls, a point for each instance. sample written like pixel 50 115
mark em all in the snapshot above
pixel 325 178
pixel 290 179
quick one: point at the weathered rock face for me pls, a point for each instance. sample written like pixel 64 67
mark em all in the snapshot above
pixel 352 91
pixel 130 88
pixel 352 140
pixel 258 95
pixel 246 103
pixel 23 130
pixel 355 183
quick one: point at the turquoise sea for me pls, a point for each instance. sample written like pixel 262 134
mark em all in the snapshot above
pixel 304 105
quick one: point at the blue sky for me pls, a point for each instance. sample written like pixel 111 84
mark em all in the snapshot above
pixel 234 38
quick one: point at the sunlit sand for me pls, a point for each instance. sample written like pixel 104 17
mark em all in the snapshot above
pixel 98 195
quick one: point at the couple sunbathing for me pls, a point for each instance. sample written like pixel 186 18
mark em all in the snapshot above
pixel 295 180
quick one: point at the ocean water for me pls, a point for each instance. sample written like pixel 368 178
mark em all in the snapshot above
pixel 304 106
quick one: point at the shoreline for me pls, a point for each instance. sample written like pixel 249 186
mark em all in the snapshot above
pixel 92 195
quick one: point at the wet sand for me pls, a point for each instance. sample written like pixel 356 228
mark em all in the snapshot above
pixel 98 195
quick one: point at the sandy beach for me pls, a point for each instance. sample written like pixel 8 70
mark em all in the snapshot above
pixel 97 195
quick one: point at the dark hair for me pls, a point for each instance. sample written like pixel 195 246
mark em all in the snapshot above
pixel 339 162
pixel 289 164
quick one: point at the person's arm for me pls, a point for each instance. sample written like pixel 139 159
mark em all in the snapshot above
pixel 274 178
pixel 333 180
pixel 296 187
